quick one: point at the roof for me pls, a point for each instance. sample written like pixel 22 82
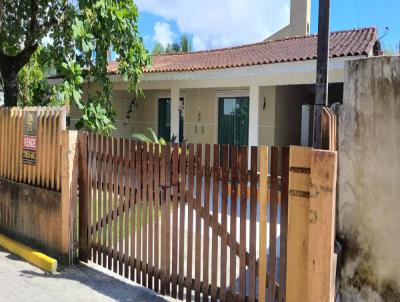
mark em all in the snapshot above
pixel 355 42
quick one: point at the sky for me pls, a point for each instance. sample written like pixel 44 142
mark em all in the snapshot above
pixel 223 23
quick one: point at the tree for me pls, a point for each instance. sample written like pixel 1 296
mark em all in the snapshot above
pixel 82 33
pixel 186 43
pixel 173 48
pixel 34 87
pixel 158 49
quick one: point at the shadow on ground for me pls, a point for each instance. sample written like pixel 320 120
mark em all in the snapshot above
pixel 103 283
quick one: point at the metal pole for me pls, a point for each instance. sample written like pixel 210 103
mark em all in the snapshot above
pixel 321 87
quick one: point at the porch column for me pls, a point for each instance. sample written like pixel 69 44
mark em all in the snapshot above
pixel 254 115
pixel 175 95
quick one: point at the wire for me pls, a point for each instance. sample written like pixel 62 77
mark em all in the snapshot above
pixel 387 29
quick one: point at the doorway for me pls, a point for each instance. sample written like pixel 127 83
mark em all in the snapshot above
pixel 164 119
pixel 233 120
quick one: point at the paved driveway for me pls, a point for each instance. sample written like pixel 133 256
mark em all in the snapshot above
pixel 21 281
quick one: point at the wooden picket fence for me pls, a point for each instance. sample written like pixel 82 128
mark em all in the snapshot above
pixel 46 172
pixel 187 220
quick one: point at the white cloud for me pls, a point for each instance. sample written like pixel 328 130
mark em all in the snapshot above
pixel 219 23
pixel 163 33
pixel 198 44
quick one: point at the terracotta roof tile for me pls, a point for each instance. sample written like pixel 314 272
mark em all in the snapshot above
pixel 342 44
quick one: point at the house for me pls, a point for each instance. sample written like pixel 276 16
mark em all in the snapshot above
pixel 255 94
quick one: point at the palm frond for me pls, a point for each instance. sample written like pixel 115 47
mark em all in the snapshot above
pixel 141 137
pixel 154 135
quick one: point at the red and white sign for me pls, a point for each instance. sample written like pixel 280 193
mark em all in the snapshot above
pixel 30 142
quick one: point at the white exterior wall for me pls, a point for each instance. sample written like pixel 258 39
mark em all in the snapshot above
pixel 201 90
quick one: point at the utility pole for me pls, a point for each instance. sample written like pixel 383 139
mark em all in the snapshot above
pixel 321 87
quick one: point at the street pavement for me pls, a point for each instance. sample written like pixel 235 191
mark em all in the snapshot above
pixel 20 281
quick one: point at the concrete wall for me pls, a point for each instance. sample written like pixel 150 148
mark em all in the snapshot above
pixel 32 215
pixel 369 179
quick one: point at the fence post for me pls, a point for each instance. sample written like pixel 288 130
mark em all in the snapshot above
pixel 69 166
pixel 297 236
pixel 322 226
pixel 310 258
pixel 83 198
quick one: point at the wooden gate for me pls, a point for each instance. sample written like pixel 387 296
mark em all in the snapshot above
pixel 200 221
pixel 187 221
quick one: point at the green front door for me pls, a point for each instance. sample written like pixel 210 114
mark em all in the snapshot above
pixel 164 118
pixel 233 120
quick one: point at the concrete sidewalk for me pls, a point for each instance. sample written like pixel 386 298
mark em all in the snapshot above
pixel 21 281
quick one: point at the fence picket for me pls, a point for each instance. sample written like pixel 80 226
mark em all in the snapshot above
pixel 110 179
pixel 190 225
pixel 253 227
pixel 163 218
pixel 120 201
pixel 40 152
pixel 115 204
pixel 100 197
pixel 168 218
pixel 262 271
pixel 12 143
pixel 51 148
pixel 197 206
pixel 234 193
pixel 95 195
pixel 206 222
pixel 214 222
pixel 152 216
pixel 144 214
pixel 92 194
pixel 139 151
pixel 273 221
pixel 243 212
pixel 132 190
pixel 157 217
pixel 174 184
pixel 224 222
pixel 126 207
pixel 105 201
pixel 182 201
pixel 284 223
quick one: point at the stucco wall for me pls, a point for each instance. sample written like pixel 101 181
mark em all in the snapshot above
pixel 288 114
pixel 279 119
pixel 369 179
pixel 267 115
pixel 200 116
pixel 32 215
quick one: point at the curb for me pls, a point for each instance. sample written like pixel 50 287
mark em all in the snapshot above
pixel 36 258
